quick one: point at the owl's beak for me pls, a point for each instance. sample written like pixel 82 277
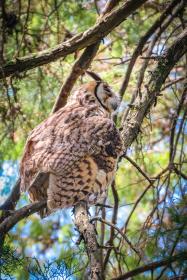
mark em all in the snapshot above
pixel 114 105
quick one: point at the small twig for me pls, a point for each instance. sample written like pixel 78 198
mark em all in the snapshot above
pixel 138 50
pixel 180 173
pixel 152 266
pixel 141 196
pixel 155 57
pixel 139 169
pixel 119 231
pixel 104 205
pixel 113 220
pixel 173 82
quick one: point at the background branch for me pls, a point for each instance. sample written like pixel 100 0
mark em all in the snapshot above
pixel 141 44
pixel 80 41
pixel 132 123
pixel 152 266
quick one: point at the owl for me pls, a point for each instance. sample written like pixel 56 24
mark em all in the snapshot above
pixel 78 147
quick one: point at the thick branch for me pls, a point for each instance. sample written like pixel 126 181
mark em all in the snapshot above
pixel 87 230
pixel 134 119
pixel 80 41
pixel 152 266
pixel 18 215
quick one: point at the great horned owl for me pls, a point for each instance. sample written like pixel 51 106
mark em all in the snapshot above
pixel 78 146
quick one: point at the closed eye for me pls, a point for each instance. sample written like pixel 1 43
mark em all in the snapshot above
pixel 108 91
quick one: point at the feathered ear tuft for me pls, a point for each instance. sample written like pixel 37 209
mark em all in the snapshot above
pixel 94 76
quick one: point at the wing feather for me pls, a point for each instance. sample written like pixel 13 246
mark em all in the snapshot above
pixel 62 140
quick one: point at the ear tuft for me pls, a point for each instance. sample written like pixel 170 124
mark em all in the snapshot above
pixel 94 76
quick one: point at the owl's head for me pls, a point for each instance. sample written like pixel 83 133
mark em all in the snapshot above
pixel 103 94
pixel 97 93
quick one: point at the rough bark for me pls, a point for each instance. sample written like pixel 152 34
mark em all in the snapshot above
pixel 103 27
pixel 20 214
pixel 87 231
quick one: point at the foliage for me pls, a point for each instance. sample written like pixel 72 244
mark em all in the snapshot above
pixel 12 263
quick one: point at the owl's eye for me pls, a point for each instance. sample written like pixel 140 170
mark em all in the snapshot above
pixel 107 90
pixel 109 93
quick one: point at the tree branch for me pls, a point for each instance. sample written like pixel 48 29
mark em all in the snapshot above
pixel 18 215
pixel 80 65
pixel 151 181
pixel 113 220
pixel 119 231
pixel 152 266
pixel 87 230
pixel 12 199
pixel 104 26
pixel 138 50
pixel 132 123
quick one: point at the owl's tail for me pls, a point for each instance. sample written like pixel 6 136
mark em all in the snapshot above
pixel 39 194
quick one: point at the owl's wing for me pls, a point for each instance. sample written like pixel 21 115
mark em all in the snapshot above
pixel 38 146
pixel 56 149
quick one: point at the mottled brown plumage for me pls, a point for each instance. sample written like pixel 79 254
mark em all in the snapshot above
pixel 78 146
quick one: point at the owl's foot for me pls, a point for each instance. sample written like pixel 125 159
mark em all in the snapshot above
pixel 84 204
